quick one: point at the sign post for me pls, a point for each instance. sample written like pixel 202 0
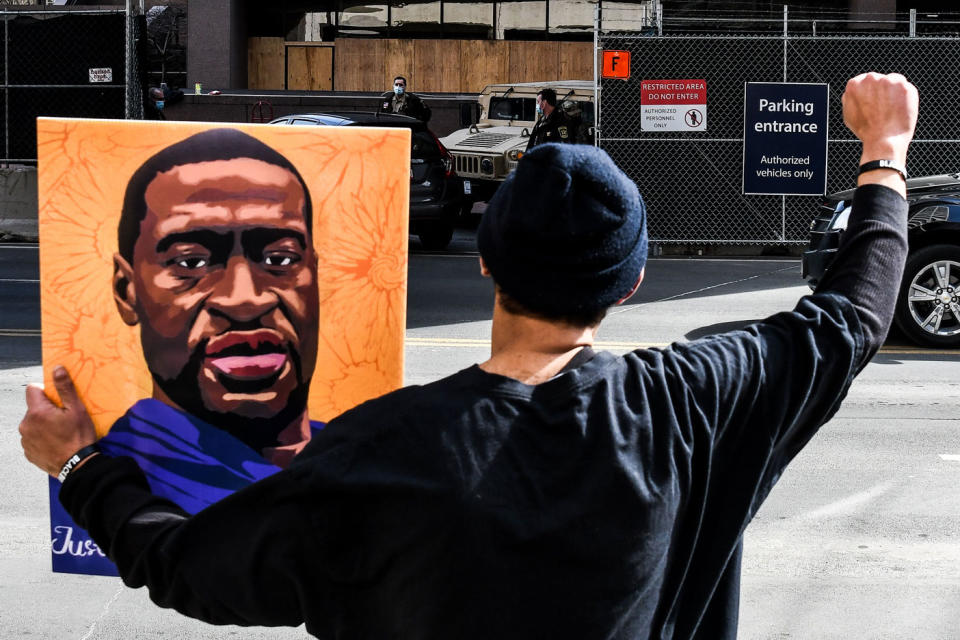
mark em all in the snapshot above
pixel 785 138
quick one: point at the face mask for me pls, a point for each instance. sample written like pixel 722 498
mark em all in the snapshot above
pixel 539 110
pixel 159 104
pixel 398 90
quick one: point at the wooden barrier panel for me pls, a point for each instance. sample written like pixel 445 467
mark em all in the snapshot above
pixel 400 60
pixel 310 66
pixel 483 62
pixel 533 61
pixel 437 63
pixel 359 64
pixel 575 61
pixel 265 63
pixel 429 65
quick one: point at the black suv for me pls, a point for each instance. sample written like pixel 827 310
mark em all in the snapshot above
pixel 928 306
pixel 435 189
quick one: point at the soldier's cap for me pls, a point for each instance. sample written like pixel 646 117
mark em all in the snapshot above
pixel 566 232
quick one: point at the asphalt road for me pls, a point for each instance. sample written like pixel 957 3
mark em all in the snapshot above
pixel 859 539
pixel 19 305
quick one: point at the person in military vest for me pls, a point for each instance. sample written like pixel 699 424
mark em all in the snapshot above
pixel 404 103
pixel 552 123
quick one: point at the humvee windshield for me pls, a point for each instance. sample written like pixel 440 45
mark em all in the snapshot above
pixel 526 109
pixel 513 109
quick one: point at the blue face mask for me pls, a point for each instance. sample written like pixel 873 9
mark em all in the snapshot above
pixel 159 104
pixel 398 90
pixel 539 110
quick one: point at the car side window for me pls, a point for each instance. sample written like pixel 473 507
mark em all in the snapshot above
pixel 303 121
pixel 424 146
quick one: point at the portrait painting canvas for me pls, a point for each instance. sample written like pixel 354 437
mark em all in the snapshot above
pixel 218 292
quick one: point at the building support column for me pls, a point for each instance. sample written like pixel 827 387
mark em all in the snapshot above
pixel 216 44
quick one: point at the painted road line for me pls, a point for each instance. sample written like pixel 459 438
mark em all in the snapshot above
pixel 748 260
pixel 473 342
pixel 478 342
pixel 482 343
pixel 614 312
pixel 19 280
pixel 950 457
pixel 919 351
pixel 19 333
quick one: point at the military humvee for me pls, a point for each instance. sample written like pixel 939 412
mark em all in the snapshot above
pixel 486 152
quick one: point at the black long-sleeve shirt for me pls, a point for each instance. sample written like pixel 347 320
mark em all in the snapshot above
pixel 608 502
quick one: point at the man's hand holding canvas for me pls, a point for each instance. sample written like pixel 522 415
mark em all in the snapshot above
pixel 49 434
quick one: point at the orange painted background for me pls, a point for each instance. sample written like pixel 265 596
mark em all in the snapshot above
pixel 359 182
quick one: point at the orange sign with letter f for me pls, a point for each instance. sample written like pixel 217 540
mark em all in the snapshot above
pixel 616 64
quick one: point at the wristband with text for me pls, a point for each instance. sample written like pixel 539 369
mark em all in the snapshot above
pixel 883 164
pixel 76 459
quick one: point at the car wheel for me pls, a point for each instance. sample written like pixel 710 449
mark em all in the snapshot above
pixel 436 236
pixel 928 308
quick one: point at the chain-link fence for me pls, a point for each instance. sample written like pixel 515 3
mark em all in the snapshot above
pixel 692 182
pixel 68 63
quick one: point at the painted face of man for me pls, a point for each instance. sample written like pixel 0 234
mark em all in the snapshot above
pixel 224 287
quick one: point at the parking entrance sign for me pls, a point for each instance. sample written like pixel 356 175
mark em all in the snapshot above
pixel 785 138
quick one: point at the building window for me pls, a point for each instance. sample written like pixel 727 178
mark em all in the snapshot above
pixel 571 16
pixel 364 20
pixel 471 19
pixel 521 20
pixel 413 19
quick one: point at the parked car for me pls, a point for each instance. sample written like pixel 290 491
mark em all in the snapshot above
pixel 486 152
pixel 928 306
pixel 435 189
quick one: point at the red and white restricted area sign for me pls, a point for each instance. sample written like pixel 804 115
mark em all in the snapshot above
pixel 673 105
pixel 616 64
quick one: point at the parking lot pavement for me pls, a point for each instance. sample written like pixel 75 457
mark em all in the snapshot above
pixel 859 539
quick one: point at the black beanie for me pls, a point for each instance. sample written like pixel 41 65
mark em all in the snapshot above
pixel 566 232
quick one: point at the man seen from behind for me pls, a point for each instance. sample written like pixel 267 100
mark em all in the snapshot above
pixel 550 491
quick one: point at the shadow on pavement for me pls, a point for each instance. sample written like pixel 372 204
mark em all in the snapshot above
pixel 19 351
pixel 447 288
pixel 720 327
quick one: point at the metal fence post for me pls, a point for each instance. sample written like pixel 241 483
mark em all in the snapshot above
pixel 785 43
pixel 133 101
pixel 127 57
pixel 6 85
pixel 596 79
pixel 783 199
pixel 913 23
